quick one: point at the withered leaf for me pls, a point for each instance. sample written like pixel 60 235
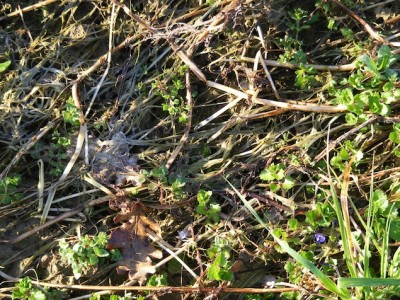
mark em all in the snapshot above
pixel 131 238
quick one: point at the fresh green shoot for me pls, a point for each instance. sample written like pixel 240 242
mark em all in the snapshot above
pixel 5 65
pixel 127 296
pixel 174 103
pixel 275 174
pixel 158 280
pixel 220 254
pixel 25 290
pixel 58 152
pixel 70 113
pixel 86 253
pixel 8 186
pixel 207 208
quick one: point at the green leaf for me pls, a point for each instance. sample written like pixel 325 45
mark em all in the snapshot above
pixel 394 231
pixel 38 295
pixel 100 252
pixel 274 187
pixel 368 63
pixel 385 57
pixel 203 197
pixel 367 282
pixel 379 201
pixel 4 65
pixel 288 183
pixel 351 119
pixel 293 224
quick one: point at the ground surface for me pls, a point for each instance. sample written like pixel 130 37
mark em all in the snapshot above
pixel 135 118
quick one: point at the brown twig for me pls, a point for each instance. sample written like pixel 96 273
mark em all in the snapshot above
pixel 366 26
pixel 182 289
pixel 26 9
pixel 274 63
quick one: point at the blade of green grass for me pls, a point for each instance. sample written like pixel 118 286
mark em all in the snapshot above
pixel 367 282
pixel 326 281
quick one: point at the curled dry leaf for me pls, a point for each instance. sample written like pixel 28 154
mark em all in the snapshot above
pixel 131 238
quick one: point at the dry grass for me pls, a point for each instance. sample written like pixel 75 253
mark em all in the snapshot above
pixel 109 65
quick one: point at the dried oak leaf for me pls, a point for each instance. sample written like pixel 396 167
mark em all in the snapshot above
pixel 131 238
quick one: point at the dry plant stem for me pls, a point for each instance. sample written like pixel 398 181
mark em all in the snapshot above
pixel 366 26
pixel 162 243
pixel 268 74
pixel 345 207
pixel 68 214
pixel 193 67
pixel 344 136
pixel 185 135
pixel 393 20
pixel 217 114
pixel 160 289
pixel 284 105
pixel 274 63
pixel 110 46
pixel 40 185
pixel 217 20
pixel 26 9
pixel 27 147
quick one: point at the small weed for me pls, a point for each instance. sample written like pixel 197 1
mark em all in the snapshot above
pixel 206 208
pixel 86 253
pixel 370 87
pixel 26 291
pixel 127 296
pixel 7 190
pixel 219 268
pixel 70 113
pixel 276 173
pixel 174 102
pixel 175 184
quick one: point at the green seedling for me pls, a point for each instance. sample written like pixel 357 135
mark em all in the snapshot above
pixel 7 190
pixel 207 208
pixel 86 253
pixel 127 296
pixel 25 290
pixel 171 92
pixel 275 174
pixel 220 254
pixel 5 65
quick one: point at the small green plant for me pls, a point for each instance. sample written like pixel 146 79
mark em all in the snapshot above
pixel 127 296
pixel 293 52
pixel 276 173
pixel 300 20
pixel 306 77
pixel 25 290
pixel 321 216
pixel 219 252
pixel 158 280
pixel 5 65
pixel 87 252
pixel 207 208
pixel 58 152
pixel 70 113
pixel 171 93
pixel 7 189
pixel 372 86
pixel 347 150
pixel 173 183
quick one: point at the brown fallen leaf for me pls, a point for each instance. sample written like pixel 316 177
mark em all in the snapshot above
pixel 131 238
